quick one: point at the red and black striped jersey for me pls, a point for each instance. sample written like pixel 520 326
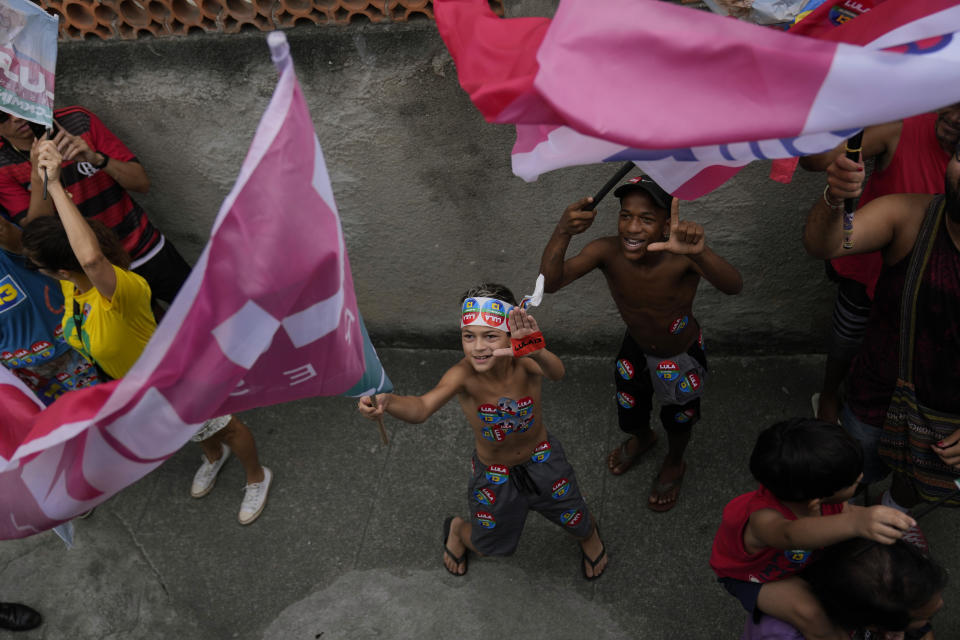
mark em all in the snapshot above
pixel 95 193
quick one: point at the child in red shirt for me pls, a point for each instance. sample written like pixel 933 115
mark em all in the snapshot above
pixel 807 470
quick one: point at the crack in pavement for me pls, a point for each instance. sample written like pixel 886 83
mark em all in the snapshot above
pixel 143 552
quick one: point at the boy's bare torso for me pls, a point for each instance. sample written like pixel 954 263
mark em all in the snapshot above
pixel 654 296
pixel 504 411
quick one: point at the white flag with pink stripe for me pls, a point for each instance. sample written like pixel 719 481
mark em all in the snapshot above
pixel 268 315
pixel 692 97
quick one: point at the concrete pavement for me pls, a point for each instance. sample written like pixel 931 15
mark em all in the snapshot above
pixel 349 544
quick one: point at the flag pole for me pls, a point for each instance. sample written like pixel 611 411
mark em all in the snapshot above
pixel 849 204
pixel 611 183
pixel 383 432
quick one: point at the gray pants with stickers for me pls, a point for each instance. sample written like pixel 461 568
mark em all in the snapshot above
pixel 677 381
pixel 500 498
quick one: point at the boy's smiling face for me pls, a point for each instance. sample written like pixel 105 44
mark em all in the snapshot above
pixel 640 223
pixel 479 343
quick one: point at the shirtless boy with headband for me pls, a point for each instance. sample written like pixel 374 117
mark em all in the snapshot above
pixel 516 466
pixel 653 278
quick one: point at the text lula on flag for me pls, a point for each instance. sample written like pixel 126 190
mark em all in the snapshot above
pixel 267 315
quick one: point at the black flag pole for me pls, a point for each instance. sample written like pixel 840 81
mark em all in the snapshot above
pixel 849 204
pixel 611 183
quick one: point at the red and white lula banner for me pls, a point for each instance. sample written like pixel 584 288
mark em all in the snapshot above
pixel 267 316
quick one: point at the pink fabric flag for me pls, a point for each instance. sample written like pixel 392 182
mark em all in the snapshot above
pixel 268 315
pixel 692 97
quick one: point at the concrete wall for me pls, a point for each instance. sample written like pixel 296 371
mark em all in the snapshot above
pixel 424 187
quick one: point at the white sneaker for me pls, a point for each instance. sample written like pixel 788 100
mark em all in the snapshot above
pixel 255 498
pixel 206 475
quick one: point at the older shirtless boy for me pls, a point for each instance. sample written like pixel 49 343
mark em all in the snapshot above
pixel 516 465
pixel 652 266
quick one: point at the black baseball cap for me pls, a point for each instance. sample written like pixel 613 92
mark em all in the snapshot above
pixel 660 197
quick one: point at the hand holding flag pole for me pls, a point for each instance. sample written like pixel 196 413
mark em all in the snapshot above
pixel 383 432
pixel 534 299
pixel 849 204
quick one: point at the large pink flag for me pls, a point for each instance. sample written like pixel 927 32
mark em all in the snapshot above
pixel 268 315
pixel 692 97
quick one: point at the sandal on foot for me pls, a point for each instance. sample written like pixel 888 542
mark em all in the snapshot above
pixel 593 562
pixel 460 560
pixel 626 460
pixel 660 488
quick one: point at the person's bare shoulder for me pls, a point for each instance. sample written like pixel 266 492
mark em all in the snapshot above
pixel 462 370
pixel 530 366
pixel 604 249
pixel 458 375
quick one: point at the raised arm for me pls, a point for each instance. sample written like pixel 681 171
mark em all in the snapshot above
pixel 130 175
pixel 879 141
pixel 82 239
pixel 526 337
pixel 881 224
pixel 415 409
pixel 767 528
pixel 557 271
pixel 688 238
pixel 39 206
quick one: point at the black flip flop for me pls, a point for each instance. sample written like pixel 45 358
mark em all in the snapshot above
pixel 460 560
pixel 594 562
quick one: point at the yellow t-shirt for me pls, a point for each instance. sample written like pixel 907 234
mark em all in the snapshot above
pixel 114 332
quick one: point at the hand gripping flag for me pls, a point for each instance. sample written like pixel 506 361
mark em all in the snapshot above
pixel 268 315
pixel 28 59
pixel 689 96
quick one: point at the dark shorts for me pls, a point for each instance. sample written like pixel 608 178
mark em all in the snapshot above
pixel 635 391
pixel 500 498
pixel 746 592
pixel 165 272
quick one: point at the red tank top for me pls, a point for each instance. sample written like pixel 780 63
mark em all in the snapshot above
pixel 729 558
pixel 917 166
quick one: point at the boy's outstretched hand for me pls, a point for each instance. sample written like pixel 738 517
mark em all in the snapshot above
pixel 685 237
pixel 882 524
pixel 368 410
pixel 525 336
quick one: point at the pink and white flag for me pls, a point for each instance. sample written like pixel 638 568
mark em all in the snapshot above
pixel 268 315
pixel 692 97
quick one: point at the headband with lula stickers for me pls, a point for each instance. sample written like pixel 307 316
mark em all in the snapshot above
pixel 487 312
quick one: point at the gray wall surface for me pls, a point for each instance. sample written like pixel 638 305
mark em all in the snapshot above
pixel 423 184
